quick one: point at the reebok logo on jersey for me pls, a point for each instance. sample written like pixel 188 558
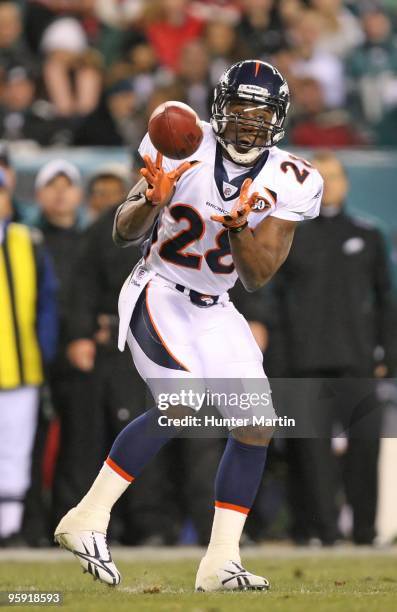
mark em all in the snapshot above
pixel 228 189
pixel 140 273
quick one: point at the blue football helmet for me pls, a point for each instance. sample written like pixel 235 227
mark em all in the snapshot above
pixel 262 85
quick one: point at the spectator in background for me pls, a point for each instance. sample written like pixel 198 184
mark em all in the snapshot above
pixel 138 62
pixel 22 117
pixel 116 17
pixel 66 53
pixel 261 28
pixel 106 190
pixel 13 49
pixel 71 69
pixel 284 61
pixel 106 186
pixel 290 12
pixel 227 11
pixel 59 195
pixel 342 31
pixel 115 122
pixel 119 13
pixel 315 126
pixel 372 67
pixel 312 62
pixel 336 282
pixel 193 77
pixel 40 14
pixel 20 212
pixel 169 26
pixel 224 47
pixel 28 336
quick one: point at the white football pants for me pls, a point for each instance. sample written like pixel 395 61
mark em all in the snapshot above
pixel 173 340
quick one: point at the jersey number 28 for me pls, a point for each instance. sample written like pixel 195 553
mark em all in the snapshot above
pixel 172 250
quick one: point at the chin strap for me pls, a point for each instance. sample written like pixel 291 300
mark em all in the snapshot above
pixel 243 158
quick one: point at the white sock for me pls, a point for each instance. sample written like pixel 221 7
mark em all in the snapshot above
pixel 106 489
pixel 93 512
pixel 226 532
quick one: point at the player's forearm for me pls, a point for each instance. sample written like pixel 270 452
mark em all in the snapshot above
pixel 135 216
pixel 255 264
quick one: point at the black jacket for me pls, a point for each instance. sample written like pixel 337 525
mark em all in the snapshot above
pixel 333 297
pixel 62 243
pixel 100 271
pixel 98 129
pixel 34 123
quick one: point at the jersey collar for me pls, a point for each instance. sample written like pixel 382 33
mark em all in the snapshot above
pixel 230 189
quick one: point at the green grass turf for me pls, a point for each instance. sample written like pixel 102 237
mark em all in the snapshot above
pixel 309 584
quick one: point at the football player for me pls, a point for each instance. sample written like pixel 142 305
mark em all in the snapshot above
pixel 228 211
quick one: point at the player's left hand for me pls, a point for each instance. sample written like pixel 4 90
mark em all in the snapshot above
pixel 161 183
pixel 242 208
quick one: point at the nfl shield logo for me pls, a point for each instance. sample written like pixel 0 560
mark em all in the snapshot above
pixel 229 190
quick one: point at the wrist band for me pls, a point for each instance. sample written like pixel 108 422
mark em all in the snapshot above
pixel 237 230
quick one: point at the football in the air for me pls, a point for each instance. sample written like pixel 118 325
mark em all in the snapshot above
pixel 175 130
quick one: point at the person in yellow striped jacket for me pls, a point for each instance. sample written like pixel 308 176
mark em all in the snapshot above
pixel 28 337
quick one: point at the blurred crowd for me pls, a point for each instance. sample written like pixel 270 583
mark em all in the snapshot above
pixel 89 72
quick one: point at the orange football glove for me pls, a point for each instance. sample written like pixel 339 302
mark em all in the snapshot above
pixel 242 208
pixel 161 183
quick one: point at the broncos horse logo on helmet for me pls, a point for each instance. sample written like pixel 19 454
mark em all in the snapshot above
pixel 262 85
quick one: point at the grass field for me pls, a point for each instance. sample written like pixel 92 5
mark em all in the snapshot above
pixel 310 582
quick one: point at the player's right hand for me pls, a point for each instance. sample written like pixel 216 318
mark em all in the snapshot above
pixel 161 183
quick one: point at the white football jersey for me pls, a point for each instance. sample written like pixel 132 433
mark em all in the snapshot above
pixel 186 246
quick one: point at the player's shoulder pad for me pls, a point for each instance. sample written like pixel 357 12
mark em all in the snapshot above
pixel 295 171
pixel 299 185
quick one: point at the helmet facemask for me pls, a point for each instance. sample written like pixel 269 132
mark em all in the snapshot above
pixel 250 136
